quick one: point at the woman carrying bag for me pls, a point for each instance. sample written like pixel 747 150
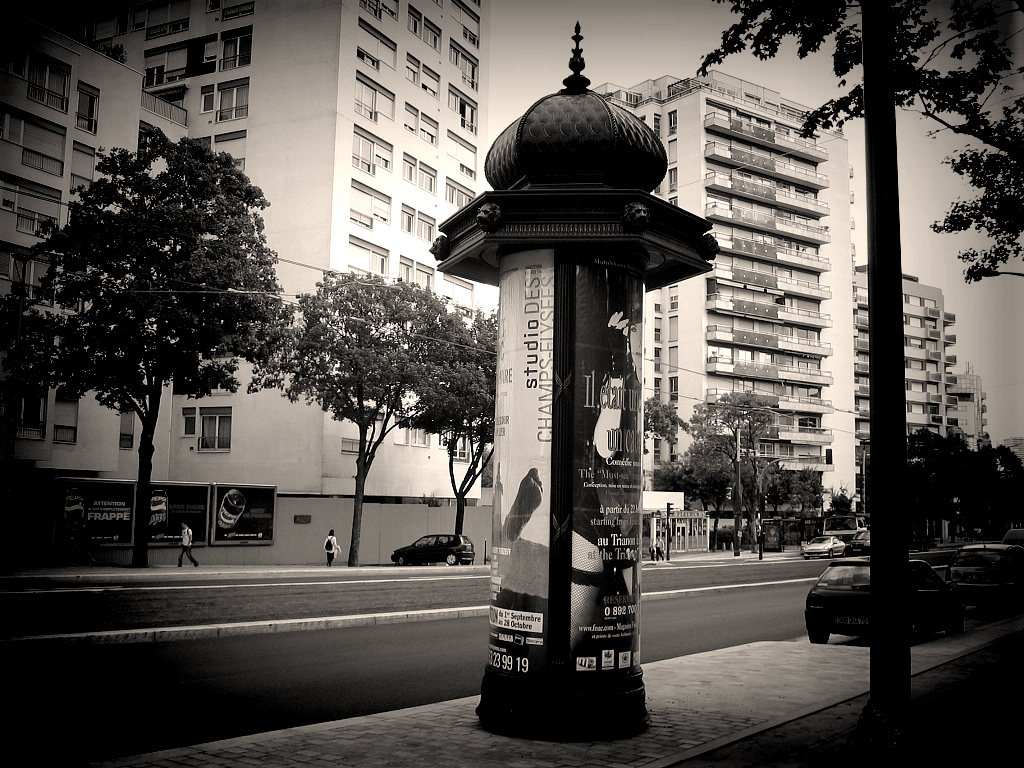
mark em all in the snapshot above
pixel 331 547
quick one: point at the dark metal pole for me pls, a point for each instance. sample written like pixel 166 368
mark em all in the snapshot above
pixel 883 718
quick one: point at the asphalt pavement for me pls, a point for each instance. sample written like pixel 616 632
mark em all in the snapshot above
pixel 763 704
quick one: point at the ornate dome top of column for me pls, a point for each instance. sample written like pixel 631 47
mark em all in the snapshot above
pixel 576 136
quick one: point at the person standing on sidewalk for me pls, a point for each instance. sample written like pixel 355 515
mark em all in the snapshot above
pixel 331 546
pixel 186 545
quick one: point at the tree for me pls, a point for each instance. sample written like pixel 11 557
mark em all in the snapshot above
pixel 164 260
pixel 661 420
pixel 807 491
pixel 733 427
pixel 954 65
pixel 363 351
pixel 778 487
pixel 841 503
pixel 459 406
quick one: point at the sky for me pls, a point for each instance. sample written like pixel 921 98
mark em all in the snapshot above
pixel 628 42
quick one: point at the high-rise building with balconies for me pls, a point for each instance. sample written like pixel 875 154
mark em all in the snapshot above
pixel 932 390
pixel 775 316
pixel 361 121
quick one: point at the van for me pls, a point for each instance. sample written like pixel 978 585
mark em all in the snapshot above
pixel 1014 536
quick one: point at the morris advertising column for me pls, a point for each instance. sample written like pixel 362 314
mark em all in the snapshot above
pixel 571 237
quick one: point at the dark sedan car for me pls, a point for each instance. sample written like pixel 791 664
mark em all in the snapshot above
pixel 860 544
pixel 448 548
pixel 988 575
pixel 838 602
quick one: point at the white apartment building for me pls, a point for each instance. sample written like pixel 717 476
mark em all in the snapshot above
pixel 775 316
pixel 361 121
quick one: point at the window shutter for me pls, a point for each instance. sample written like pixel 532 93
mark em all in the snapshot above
pixel 43 140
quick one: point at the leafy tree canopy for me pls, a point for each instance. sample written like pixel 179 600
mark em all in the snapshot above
pixel 162 273
pixel 955 65
pixel 661 420
pixel 365 351
pixel 459 405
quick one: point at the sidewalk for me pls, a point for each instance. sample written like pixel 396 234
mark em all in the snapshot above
pixel 706 709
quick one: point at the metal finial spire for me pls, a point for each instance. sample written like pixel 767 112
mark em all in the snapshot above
pixel 576 83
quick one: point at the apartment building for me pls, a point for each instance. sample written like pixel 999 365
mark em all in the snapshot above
pixel 933 391
pixel 60 101
pixel 362 122
pixel 775 315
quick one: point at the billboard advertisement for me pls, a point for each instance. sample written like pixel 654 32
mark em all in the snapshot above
pixel 172 504
pixel 97 511
pixel 607 482
pixel 243 514
pixel 522 460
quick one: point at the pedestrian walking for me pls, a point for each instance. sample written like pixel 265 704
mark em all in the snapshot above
pixel 186 545
pixel 331 547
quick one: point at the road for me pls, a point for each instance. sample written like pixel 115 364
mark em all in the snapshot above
pixel 110 701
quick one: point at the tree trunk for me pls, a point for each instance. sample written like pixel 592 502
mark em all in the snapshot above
pixel 460 512
pixel 362 466
pixel 140 520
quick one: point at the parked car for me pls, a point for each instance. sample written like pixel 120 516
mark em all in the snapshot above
pixel 988 575
pixel 838 602
pixel 1014 536
pixel 860 544
pixel 824 546
pixel 450 548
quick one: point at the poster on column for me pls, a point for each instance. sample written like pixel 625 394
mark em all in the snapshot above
pixel 607 478
pixel 522 465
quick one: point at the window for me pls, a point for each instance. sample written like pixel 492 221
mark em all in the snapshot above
pixel 215 426
pixel 234 11
pixel 409 165
pixel 468 64
pixel 233 144
pixel 65 419
pixel 412 69
pixel 406 270
pixel 31 417
pixel 458 196
pixel 464 153
pixel 673 151
pixel 374 48
pixel 425 231
pixel 234 100
pixel 425 277
pixel 412 119
pixel 34 204
pixel 127 437
pixel 673 301
pixel 368 206
pixel 42 143
pixel 673 328
pixel 373 101
pixel 431 82
pixel 673 388
pixel 206 98
pixel 88 107
pixel 470 23
pixel 673 179
pixel 424 29
pixel 364 257
pixel 379 7
pixel 427 179
pixel 428 130
pixel 370 153
pixel 673 122
pixel 349 445
pixel 164 18
pixel 48 81
pixel 408 220
pixel 465 107
pixel 237 52
pixel 83 165
pixel 188 422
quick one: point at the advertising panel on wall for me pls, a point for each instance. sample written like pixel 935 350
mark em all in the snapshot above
pixel 172 504
pixel 607 481
pixel 521 528
pixel 98 511
pixel 244 514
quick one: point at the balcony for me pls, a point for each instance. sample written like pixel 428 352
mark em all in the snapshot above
pixel 804 375
pixel 797 463
pixel 732 184
pixel 167 28
pixel 805 288
pixel 717 211
pixel 748 370
pixel 712 395
pixel 723 153
pixel 721 303
pixel 164 109
pixel 772 252
pixel 860 321
pixel 58 101
pixel 798 147
pixel 806 435
pixel 805 404
pixel 804 346
pixel 808 317
pixel 743 337
pixel 948 318
pixel 950 338
pixel 746 277
pixel 950 360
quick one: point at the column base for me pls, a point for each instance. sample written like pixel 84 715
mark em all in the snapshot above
pixel 554 708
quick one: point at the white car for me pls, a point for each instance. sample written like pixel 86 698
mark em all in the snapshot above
pixel 824 546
